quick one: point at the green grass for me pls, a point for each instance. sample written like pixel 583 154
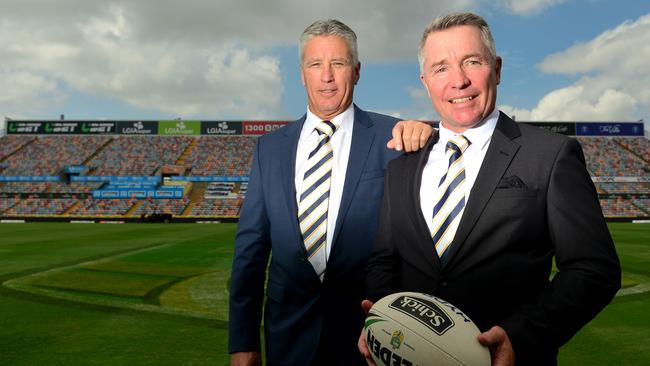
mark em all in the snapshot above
pixel 148 294
pixel 133 294
pixel 620 334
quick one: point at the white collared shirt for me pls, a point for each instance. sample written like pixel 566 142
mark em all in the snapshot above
pixel 480 137
pixel 341 141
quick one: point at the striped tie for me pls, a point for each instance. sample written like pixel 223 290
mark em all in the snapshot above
pixel 450 196
pixel 313 205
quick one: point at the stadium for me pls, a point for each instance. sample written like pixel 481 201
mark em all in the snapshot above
pixel 154 290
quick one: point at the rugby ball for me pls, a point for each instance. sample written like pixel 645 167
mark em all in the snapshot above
pixel 410 328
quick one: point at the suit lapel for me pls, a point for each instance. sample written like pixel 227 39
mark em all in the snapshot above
pixel 425 243
pixel 363 136
pixel 497 159
pixel 288 168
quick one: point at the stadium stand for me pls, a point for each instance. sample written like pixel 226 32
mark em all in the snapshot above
pixel 230 156
pixel 215 168
pixel 49 155
pixel 138 155
pixel 40 207
pixel 103 207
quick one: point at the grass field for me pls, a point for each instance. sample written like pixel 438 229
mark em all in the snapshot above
pixel 148 294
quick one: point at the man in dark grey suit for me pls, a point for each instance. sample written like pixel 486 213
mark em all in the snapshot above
pixel 312 206
pixel 478 215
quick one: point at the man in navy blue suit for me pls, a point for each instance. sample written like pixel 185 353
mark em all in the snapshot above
pixel 312 206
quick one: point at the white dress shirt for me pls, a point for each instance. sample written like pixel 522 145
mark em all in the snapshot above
pixel 480 137
pixel 340 141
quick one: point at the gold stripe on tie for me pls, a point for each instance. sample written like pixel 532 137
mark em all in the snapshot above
pixel 314 198
pixel 450 197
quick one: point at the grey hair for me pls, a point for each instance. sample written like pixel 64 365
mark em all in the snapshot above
pixel 456 20
pixel 330 27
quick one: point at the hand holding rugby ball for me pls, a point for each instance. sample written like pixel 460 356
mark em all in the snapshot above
pixel 409 328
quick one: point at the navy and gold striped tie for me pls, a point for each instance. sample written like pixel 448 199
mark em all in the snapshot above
pixel 314 199
pixel 450 196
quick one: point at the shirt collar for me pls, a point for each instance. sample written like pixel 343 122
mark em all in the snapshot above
pixel 343 120
pixel 479 135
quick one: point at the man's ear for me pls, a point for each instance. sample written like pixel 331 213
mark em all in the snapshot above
pixel 357 73
pixel 497 68
pixel 426 87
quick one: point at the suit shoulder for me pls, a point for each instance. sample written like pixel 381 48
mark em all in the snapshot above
pixel 382 120
pixel 537 134
pixel 277 135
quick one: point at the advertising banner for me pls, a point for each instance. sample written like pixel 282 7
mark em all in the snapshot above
pixel 137 127
pixel 75 169
pixel 606 179
pixel 173 193
pixel 214 178
pixel 116 179
pixel 179 127
pixel 221 127
pixel 24 128
pixel 97 128
pixel 564 128
pixel 609 129
pixel 261 127
pixel 29 178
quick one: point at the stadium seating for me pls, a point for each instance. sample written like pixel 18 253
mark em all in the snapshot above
pixel 40 207
pixel 608 158
pixel 605 157
pixel 138 155
pixel 49 155
pixel 221 155
pixel 13 143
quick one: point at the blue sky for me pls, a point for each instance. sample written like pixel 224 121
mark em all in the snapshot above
pixel 563 60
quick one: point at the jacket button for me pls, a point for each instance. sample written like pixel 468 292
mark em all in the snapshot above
pixel 444 284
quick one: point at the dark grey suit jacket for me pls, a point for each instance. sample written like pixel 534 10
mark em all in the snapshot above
pixel 533 200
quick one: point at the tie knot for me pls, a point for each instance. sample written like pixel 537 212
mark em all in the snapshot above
pixel 326 127
pixel 458 143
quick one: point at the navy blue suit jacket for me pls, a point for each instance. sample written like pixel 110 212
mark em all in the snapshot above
pixel 303 316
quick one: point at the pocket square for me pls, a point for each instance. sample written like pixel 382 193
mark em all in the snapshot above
pixel 512 181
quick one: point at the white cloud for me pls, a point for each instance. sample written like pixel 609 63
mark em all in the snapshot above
pixel 529 7
pixel 101 55
pixel 192 58
pixel 613 83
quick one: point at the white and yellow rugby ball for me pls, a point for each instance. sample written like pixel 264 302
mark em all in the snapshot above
pixel 410 328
